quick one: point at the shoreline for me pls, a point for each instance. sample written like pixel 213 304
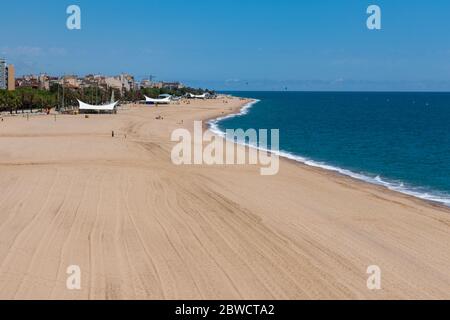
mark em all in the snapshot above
pixel 212 125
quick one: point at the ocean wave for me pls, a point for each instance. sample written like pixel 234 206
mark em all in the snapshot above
pixel 398 186
pixel 214 124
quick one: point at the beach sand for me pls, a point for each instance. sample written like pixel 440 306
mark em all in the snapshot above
pixel 140 227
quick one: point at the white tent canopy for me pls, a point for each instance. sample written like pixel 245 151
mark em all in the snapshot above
pixel 198 96
pixel 105 107
pixel 162 100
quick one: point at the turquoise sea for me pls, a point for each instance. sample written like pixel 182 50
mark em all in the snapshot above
pixel 399 140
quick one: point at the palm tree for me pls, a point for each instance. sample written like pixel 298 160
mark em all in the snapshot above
pixel 15 101
pixel 12 101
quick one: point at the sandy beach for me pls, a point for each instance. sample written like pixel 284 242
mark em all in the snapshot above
pixel 140 227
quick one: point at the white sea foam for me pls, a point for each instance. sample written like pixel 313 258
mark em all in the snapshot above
pixel 398 186
pixel 214 124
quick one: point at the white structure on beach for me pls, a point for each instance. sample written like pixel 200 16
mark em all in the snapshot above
pixel 106 108
pixel 162 99
pixel 195 96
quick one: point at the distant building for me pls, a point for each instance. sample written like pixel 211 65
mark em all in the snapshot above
pixel 29 81
pixel 11 78
pixel 161 85
pixel 114 83
pixel 44 82
pixel 7 76
pixel 71 81
pixel 146 84
pixel 127 81
pixel 157 85
pixel 123 82
pixel 91 80
pixel 172 85
pixel 3 75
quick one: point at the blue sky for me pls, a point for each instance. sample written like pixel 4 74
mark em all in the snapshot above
pixel 230 44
